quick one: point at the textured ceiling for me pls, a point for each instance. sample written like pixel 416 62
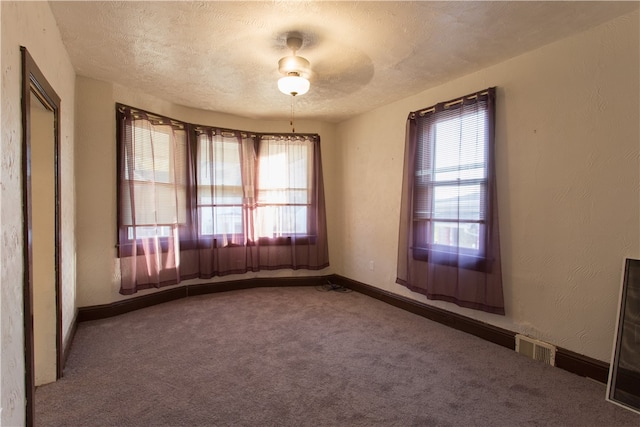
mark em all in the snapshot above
pixel 223 56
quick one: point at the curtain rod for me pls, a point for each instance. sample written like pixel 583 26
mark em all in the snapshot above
pixel 154 119
pixel 448 104
pixel 231 133
pixel 200 129
pixel 138 114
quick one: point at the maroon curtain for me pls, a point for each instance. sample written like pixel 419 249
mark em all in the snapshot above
pixel 200 202
pixel 449 243
pixel 152 166
pixel 260 203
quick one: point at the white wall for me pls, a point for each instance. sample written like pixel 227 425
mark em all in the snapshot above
pixel 98 270
pixel 568 173
pixel 30 24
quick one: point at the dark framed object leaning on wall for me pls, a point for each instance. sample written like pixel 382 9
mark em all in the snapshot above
pixel 623 387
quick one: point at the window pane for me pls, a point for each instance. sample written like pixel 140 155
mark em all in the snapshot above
pixel 461 235
pixel 151 231
pixel 460 151
pixel 458 202
pixel 219 195
pixel 220 192
pixel 277 221
pixel 283 193
pixel 220 220
pixel 283 165
pixel 155 176
pixel 283 196
pixel 472 171
pixel 151 153
pixel 219 162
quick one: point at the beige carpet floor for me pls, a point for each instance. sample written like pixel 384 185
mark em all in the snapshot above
pixel 297 356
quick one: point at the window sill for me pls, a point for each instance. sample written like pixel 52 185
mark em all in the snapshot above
pixel 452 259
pixel 286 240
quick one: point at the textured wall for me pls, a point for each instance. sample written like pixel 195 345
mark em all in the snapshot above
pixel 29 24
pixel 568 175
pixel 98 270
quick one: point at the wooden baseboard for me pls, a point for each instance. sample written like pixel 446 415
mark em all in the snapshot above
pixel 262 282
pixel 69 341
pixel 565 359
pixel 488 332
pixel 582 365
pixel 104 311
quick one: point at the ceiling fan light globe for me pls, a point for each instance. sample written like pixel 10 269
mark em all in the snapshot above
pixel 293 85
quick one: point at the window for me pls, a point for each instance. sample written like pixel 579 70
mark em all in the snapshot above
pixel 153 187
pixel 451 185
pixel 197 201
pixel 284 184
pixel 220 189
pixel 272 190
pixel 449 241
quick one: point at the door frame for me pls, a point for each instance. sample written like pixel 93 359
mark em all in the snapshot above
pixel 34 82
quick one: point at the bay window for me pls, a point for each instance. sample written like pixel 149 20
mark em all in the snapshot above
pixel 198 201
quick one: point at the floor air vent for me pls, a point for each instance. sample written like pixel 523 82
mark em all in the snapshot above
pixel 536 350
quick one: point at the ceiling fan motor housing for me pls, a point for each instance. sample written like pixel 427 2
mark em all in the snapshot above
pixel 294 65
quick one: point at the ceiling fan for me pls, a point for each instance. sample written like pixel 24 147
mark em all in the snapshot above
pixel 295 69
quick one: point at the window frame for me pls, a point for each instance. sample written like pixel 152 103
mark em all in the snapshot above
pixel 423 246
pixel 125 244
pixel 309 237
pixel 216 239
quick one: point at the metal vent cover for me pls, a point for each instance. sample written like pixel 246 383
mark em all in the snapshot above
pixel 536 350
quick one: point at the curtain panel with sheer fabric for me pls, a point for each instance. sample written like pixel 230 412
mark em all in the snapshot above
pixel 449 242
pixel 199 202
